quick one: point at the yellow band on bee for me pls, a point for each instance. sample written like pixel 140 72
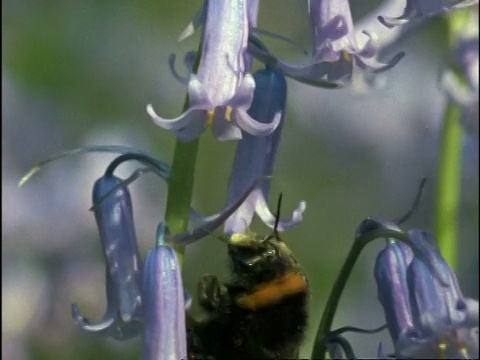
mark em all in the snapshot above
pixel 273 291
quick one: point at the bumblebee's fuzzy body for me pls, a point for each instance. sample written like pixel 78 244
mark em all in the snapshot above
pixel 261 313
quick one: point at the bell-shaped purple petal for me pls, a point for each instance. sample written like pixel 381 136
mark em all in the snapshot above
pixel 164 333
pixel 417 9
pixel 255 156
pixel 427 315
pixel 221 92
pixel 391 277
pixel 114 217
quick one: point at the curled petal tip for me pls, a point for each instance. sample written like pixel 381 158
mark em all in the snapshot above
pixel 269 219
pixel 85 325
pixel 171 63
pixel 302 206
pixel 173 124
pixel 27 176
pixel 257 128
pixel 385 22
pixel 188 31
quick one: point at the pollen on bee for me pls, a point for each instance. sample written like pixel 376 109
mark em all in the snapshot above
pixel 210 117
pixel 347 57
pixel 241 240
pixel 228 113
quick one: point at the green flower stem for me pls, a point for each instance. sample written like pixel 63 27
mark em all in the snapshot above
pixel 450 163
pixel 320 346
pixel 180 189
pixel 180 182
pixel 448 186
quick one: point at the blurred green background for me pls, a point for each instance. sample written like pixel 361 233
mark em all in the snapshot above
pixel 81 73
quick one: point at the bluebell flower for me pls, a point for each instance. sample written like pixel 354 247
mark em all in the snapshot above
pixel 164 334
pixel 335 48
pixel 418 9
pixel 426 319
pixel 222 91
pixel 158 303
pixel 210 223
pixel 114 217
pixel 255 157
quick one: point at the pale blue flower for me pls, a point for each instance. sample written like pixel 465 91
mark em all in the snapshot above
pixel 255 157
pixel 418 9
pixel 426 319
pixel 164 333
pixel 221 92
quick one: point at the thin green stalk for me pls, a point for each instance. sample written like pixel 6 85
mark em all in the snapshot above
pixel 180 182
pixel 450 163
pixel 180 189
pixel 320 346
pixel 448 186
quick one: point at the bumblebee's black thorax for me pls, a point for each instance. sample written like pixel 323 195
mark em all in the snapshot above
pixel 260 314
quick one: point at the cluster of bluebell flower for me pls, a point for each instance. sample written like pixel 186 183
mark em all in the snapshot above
pixel 427 315
pixel 425 311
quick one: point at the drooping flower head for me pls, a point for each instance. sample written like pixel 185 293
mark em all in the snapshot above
pixel 426 319
pixel 255 157
pixel 114 216
pixel 221 92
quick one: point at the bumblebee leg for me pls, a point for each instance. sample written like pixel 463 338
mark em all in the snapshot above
pixel 212 295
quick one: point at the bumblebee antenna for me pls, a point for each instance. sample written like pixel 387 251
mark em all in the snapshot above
pixel 414 206
pixel 277 216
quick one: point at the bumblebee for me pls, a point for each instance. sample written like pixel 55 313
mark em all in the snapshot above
pixel 261 313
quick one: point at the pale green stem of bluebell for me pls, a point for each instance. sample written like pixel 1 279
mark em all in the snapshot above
pixel 450 162
pixel 448 186
pixel 180 188
pixel 180 182
pixel 320 348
